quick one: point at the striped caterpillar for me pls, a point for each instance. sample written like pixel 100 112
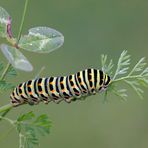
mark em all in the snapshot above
pixel 68 88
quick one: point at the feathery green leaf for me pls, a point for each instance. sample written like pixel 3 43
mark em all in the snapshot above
pixel 5 86
pixel 31 127
pixel 136 78
pixel 123 64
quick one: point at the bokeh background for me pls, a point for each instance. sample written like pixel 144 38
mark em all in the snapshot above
pixel 90 28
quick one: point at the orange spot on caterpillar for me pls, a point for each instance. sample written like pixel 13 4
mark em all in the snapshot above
pixel 30 93
pixel 53 91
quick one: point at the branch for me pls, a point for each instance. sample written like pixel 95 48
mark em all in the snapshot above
pixel 6 107
pixel 5 72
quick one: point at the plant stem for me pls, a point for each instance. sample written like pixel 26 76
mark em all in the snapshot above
pixel 22 21
pixel 7 119
pixel 40 71
pixel 21 137
pixel 127 77
pixel 5 72
pixel 6 107
pixel 5 113
pixel 9 106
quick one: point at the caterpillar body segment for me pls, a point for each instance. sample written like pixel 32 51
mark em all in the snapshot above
pixel 68 88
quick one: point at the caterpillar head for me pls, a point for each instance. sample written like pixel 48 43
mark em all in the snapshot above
pixel 106 82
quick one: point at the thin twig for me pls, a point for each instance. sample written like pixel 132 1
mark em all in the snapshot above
pixel 7 119
pixel 22 21
pixel 127 77
pixel 5 113
pixel 40 71
pixel 5 72
pixel 6 107
pixel 21 143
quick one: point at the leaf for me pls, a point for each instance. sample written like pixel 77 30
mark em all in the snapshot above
pixel 41 40
pixel 16 58
pixel 4 21
pixel 123 63
pixel 136 87
pixel 120 93
pixel 42 124
pixel 143 81
pixel 145 72
pixel 137 77
pixel 11 72
pixel 30 139
pixel 31 127
pixel 1 66
pixel 106 67
pixel 5 86
pixel 25 117
pixel 138 67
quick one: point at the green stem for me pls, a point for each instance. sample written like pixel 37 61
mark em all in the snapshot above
pixel 5 113
pixel 21 141
pixel 127 77
pixel 22 21
pixel 6 107
pixel 7 119
pixel 5 72
pixel 41 70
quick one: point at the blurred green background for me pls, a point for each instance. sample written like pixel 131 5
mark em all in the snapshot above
pixel 90 28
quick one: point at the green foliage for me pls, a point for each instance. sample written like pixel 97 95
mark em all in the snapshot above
pixel 3 22
pixel 16 58
pixel 1 66
pixel 39 39
pixel 45 40
pixel 5 73
pixel 29 128
pixel 5 86
pixel 11 72
pixel 106 67
pixel 136 78
pixel 122 65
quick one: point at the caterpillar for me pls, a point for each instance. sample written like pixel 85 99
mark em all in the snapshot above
pixel 68 88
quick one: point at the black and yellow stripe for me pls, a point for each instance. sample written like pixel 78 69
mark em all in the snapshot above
pixel 68 88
